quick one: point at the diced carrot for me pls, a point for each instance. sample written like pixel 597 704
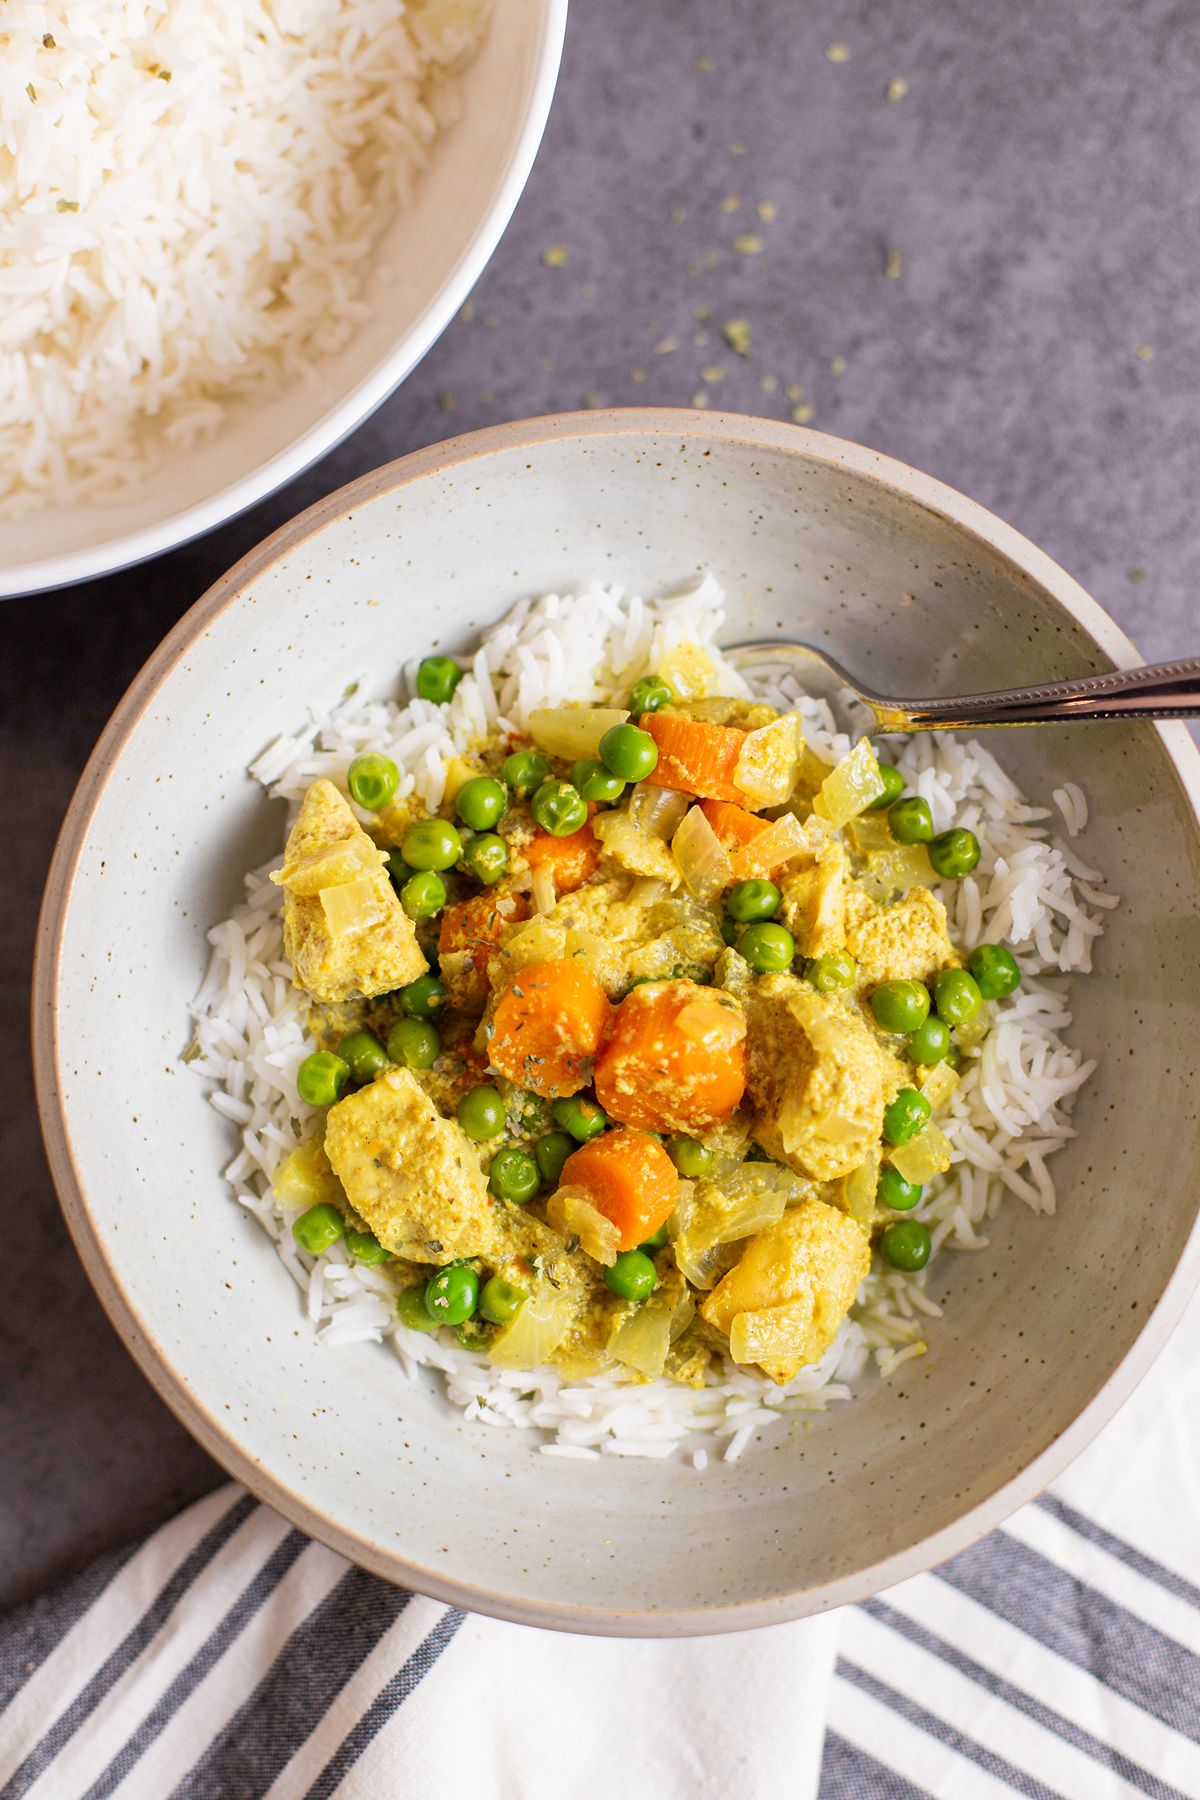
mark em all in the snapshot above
pixel 627 1176
pixel 733 825
pixel 693 756
pixel 547 1026
pixel 570 860
pixel 476 924
pixel 674 1058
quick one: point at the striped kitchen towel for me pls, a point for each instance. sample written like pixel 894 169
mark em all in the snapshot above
pixel 229 1658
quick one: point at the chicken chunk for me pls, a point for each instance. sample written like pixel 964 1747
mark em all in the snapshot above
pixel 814 902
pixel 344 931
pixel 906 941
pixel 782 1304
pixel 817 1079
pixel 412 1175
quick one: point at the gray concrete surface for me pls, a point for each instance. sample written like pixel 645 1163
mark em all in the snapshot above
pixel 1041 184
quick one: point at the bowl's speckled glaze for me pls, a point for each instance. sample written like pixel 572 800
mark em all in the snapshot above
pixel 1047 1331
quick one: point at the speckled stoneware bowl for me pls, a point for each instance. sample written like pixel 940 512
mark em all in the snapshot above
pixel 1046 1333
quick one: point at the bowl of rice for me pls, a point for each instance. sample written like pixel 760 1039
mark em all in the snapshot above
pixel 226 236
pixel 555 561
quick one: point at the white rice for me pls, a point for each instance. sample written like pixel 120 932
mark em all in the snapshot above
pixel 1008 1116
pixel 189 191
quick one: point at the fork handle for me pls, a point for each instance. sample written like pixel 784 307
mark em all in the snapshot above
pixel 1155 691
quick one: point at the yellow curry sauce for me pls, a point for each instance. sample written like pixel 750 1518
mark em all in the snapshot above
pixel 627 1055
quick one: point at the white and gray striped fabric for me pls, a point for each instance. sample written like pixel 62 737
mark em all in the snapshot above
pixel 229 1658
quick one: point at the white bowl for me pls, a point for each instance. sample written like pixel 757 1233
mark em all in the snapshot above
pixel 423 269
pixel 1045 1334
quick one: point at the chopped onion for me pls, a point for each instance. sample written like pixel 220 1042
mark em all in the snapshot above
pixel 859 1189
pixel 657 811
pixel 681 1318
pixel 333 865
pixel 305 1178
pixel 646 891
pixel 353 906
pixel 701 856
pixel 971 1034
pixel 544 898
pixel 922 1157
pixel 572 1214
pixel 851 786
pixel 776 1333
pixel 573 732
pixel 769 762
pixel 895 871
pixel 536 1332
pixel 644 1339
pixel 778 844
pixel 937 1084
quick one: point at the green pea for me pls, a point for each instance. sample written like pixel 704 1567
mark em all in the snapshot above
pixel 319 1227
pixel 892 1190
pixel 486 856
pixel 648 694
pixel 751 900
pixel 659 1241
pixel 321 1078
pixel 690 1158
pixel 414 1043
pixel 480 803
pixel 552 1152
pixel 995 971
pixel 929 1043
pixel 767 948
pixel 424 997
pixel 437 678
pixel 500 1301
pixel 431 844
pixel 730 931
pixel 893 787
pixel 410 1304
pixel 481 1113
pixel 366 1248
pixel 906 1117
pixel 452 1294
pixel 911 820
pixel 828 973
pixel 364 1055
pixel 954 853
pixel 473 1334
pixel 580 1116
pixel 595 783
pixel 900 1005
pixel 906 1245
pixel 524 771
pixel 372 780
pixel 956 996
pixel 559 808
pixel 633 1276
pixel 423 895
pixel 629 752
pixel 513 1175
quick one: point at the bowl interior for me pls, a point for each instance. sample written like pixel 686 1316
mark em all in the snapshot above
pixel 423 266
pixel 808 537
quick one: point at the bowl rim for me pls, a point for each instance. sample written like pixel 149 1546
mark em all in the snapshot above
pixel 347 414
pixel 222 1443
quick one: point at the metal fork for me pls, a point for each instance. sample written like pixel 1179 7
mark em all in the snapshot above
pixel 1155 691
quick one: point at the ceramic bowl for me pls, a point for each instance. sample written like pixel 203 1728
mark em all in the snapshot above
pixel 422 270
pixel 1044 1335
